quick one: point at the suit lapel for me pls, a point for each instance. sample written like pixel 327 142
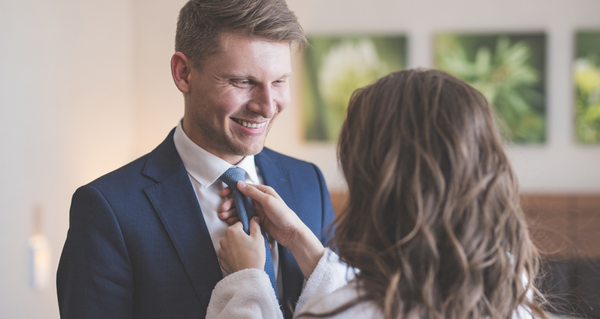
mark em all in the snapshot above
pixel 279 178
pixel 176 204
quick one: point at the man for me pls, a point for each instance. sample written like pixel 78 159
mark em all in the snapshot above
pixel 143 240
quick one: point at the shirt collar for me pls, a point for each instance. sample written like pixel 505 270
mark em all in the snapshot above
pixel 204 166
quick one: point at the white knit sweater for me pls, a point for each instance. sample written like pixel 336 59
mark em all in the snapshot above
pixel 247 294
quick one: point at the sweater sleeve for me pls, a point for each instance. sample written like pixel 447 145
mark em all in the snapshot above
pixel 329 275
pixel 245 294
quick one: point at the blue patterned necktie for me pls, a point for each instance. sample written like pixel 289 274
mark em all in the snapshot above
pixel 246 211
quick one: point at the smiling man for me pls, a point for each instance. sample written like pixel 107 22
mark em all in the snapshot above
pixel 232 101
pixel 143 240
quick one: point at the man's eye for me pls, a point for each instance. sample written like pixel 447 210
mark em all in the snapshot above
pixel 240 82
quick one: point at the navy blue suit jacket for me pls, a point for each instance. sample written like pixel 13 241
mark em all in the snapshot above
pixel 138 247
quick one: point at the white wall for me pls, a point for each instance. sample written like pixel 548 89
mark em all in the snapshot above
pixel 558 166
pixel 66 117
pixel 85 87
pixel 159 105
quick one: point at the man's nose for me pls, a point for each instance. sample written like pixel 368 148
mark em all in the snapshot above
pixel 263 102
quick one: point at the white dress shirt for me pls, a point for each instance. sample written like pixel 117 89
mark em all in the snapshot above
pixel 204 170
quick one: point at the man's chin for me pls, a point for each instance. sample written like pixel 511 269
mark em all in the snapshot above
pixel 255 151
pixel 245 150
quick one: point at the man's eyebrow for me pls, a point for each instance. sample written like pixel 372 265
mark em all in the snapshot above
pixel 248 76
pixel 236 75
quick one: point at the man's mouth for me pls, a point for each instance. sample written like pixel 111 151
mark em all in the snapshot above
pixel 250 124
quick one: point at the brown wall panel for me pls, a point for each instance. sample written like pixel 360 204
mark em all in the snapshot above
pixel 561 225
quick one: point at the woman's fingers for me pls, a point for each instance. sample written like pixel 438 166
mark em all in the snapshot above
pixel 241 251
pixel 227 205
pixel 278 220
pixel 255 229
pixel 226 192
pixel 226 241
pixel 227 255
pixel 265 196
pixel 233 230
pixel 228 212
pixel 232 220
pixel 268 190
pixel 253 192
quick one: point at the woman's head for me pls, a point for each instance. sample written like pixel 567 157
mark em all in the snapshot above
pixel 433 219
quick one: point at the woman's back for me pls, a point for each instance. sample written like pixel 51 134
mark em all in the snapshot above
pixel 433 216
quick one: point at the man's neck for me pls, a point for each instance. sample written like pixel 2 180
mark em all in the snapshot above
pixel 227 157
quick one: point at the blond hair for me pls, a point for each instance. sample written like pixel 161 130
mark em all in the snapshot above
pixel 201 22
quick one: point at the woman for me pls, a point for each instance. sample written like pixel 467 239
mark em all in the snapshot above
pixel 433 224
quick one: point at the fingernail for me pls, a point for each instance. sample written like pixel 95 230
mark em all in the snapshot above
pixel 241 184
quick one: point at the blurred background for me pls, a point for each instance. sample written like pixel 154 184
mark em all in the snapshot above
pixel 85 87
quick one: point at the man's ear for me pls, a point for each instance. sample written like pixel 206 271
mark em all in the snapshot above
pixel 181 69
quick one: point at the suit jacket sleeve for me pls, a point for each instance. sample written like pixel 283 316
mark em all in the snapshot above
pixel 327 209
pixel 94 278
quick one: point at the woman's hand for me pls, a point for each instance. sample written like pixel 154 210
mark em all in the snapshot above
pixel 228 212
pixel 276 218
pixel 279 221
pixel 241 251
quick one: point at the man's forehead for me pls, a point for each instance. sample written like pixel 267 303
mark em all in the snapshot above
pixel 228 39
pixel 246 56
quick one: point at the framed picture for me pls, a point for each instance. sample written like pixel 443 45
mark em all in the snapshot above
pixel 509 69
pixel 586 75
pixel 335 66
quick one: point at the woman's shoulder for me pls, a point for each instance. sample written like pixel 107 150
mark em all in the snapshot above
pixel 349 293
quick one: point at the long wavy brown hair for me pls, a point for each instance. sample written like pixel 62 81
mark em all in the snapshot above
pixel 433 221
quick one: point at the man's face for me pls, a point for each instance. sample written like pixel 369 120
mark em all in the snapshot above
pixel 236 96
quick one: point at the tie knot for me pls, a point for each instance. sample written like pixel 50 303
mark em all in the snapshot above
pixel 232 176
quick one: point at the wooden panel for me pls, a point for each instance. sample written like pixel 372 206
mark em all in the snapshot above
pixel 589 203
pixel 587 231
pixel 561 225
pixel 551 221
pixel 338 201
pixel 566 230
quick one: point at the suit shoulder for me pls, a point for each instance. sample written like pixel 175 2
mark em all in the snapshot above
pixel 122 177
pixel 136 174
pixel 286 161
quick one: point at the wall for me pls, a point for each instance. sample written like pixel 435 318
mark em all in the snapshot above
pixel 158 104
pixel 559 166
pixel 66 117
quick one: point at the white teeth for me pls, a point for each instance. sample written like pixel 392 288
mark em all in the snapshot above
pixel 251 125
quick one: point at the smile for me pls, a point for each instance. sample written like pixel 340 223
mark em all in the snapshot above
pixel 250 125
